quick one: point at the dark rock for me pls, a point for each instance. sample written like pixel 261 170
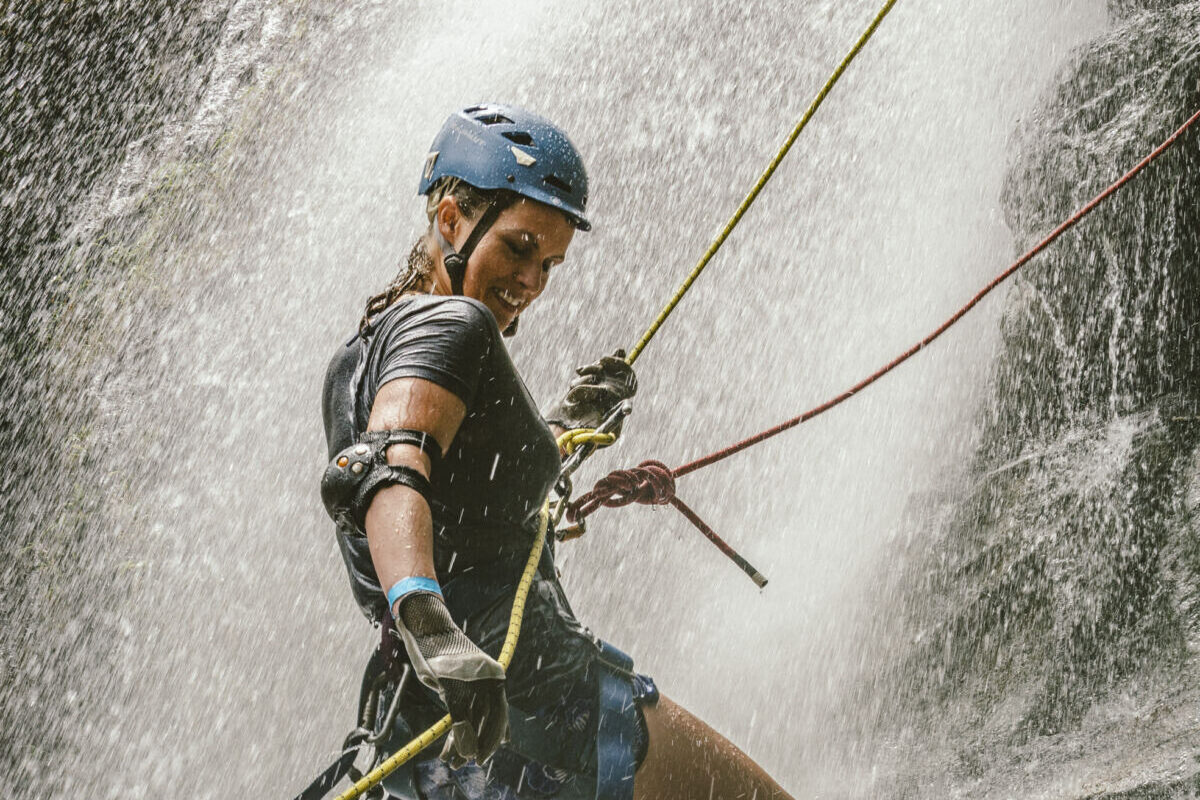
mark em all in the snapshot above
pixel 1069 570
pixel 1109 318
pixel 1120 9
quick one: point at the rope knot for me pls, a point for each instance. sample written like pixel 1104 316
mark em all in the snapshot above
pixel 649 483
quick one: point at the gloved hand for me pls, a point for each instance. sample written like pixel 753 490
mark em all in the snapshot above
pixel 469 681
pixel 592 396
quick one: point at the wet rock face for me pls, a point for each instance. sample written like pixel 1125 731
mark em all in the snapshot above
pixel 1119 9
pixel 1067 574
pixel 1109 318
pixel 1063 574
pixel 118 119
pixel 80 83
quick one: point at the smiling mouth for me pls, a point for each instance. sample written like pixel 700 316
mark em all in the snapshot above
pixel 509 302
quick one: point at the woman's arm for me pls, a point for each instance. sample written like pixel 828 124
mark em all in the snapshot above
pixel 399 528
pixel 398 522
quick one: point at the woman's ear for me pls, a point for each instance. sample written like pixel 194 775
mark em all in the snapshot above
pixel 449 220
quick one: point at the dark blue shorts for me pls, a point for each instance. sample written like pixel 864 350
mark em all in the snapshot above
pixel 510 775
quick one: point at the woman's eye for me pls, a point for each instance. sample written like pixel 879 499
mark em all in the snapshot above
pixel 518 250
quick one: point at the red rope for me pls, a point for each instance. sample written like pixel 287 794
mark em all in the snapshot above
pixel 712 458
pixel 652 482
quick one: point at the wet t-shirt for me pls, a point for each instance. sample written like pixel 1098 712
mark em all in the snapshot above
pixel 489 487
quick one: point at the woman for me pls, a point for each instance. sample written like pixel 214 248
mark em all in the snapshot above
pixel 441 462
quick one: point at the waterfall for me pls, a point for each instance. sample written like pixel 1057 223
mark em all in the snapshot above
pixel 981 560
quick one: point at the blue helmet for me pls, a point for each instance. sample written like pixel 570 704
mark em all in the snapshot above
pixel 505 147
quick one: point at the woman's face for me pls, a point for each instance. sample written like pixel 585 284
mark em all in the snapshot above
pixel 511 264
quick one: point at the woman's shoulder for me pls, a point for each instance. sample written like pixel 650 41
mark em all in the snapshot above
pixel 454 332
pixel 456 310
pixel 447 340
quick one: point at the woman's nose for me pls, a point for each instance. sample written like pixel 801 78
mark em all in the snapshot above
pixel 531 276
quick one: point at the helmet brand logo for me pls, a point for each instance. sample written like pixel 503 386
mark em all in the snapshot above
pixel 523 158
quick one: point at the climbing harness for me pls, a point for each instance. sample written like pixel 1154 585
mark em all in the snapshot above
pixel 367 733
pixel 442 726
pixel 652 482
pixel 613 661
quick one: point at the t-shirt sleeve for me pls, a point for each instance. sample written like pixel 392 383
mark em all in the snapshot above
pixel 447 343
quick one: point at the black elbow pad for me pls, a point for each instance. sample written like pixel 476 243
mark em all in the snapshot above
pixel 358 472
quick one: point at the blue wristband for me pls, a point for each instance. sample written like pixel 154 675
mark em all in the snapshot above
pixel 409 585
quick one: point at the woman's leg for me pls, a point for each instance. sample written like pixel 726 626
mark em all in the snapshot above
pixel 688 760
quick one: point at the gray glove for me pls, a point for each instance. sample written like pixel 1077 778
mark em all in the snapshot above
pixel 469 681
pixel 592 396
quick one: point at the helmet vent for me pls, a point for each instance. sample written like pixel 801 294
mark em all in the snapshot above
pixel 473 109
pixel 557 183
pixel 494 119
pixel 520 137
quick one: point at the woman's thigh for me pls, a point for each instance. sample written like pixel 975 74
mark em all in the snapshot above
pixel 688 760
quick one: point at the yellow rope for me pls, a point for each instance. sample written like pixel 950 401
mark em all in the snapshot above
pixel 758 187
pixel 578 437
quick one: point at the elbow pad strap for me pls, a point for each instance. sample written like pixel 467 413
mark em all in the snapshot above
pixel 419 439
pixel 358 472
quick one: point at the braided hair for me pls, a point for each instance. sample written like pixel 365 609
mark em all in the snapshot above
pixel 416 272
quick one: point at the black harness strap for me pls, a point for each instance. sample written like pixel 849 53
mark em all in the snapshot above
pixel 337 770
pixel 377 669
pixel 419 439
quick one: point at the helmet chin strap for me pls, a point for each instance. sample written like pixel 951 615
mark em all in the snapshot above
pixel 455 261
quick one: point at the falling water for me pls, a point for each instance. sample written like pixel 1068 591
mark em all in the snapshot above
pixel 196 220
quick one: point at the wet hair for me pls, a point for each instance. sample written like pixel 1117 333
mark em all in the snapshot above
pixel 416 271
